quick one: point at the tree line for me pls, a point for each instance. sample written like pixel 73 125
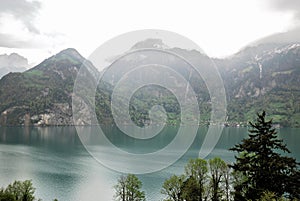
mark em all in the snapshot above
pixel 19 191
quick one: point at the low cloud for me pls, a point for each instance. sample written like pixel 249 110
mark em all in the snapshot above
pixel 25 12
pixel 293 34
pixel 22 10
pixel 10 41
pixel 287 6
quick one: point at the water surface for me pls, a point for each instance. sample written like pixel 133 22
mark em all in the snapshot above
pixel 60 167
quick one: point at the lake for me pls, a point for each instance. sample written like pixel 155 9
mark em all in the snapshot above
pixel 60 166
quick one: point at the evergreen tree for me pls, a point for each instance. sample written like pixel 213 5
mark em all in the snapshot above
pixel 260 165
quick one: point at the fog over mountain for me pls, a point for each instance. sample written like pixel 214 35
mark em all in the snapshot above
pixel 12 63
pixel 291 36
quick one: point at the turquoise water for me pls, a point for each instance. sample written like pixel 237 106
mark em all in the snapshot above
pixel 60 167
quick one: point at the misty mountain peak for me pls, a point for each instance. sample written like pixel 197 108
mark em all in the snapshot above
pixel 150 43
pixel 12 63
pixel 13 60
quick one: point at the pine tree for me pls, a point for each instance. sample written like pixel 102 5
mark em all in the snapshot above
pixel 261 166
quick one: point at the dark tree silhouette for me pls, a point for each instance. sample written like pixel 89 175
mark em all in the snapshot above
pixel 190 190
pixel 261 166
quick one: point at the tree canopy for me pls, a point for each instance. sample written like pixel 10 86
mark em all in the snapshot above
pixel 18 191
pixel 128 188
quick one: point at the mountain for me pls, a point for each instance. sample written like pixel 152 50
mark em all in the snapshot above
pixel 150 43
pixel 260 76
pixel 42 95
pixel 12 63
pixel 171 66
pixel 264 76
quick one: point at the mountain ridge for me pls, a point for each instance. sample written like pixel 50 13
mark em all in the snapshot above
pixel 256 78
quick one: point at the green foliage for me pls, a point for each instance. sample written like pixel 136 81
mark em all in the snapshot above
pixel 129 189
pixel 18 191
pixel 202 181
pixel 33 73
pixel 190 189
pixel 261 167
pixel 269 196
pixel 217 170
pixel 172 188
pixel 36 91
pixel 4 196
pixel 197 169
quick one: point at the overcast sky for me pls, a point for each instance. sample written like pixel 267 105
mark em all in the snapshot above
pixel 38 29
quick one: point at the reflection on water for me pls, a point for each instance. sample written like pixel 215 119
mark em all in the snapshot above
pixel 60 167
pixel 52 137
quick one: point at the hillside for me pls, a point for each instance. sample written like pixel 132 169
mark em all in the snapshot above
pixel 41 95
pixel 265 76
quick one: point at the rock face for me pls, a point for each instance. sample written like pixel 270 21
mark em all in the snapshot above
pixel 59 115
